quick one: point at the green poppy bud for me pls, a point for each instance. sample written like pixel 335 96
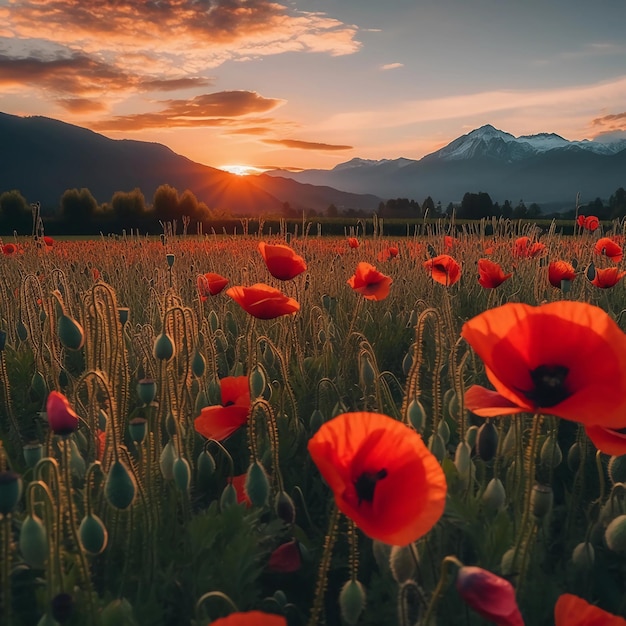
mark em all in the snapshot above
pixel 10 491
pixel 508 563
pixel 352 601
pixel 487 441
pixel 33 452
pixel 38 386
pixel 93 534
pixel 407 362
pixel 285 507
pixel 198 364
pixel 257 485
pixel 34 542
pixel 437 446
pixel 367 373
pixel 541 499
pixel 551 455
pixel 410 602
pixel 444 430
pixel 146 390
pixel 138 429
pixel 494 496
pixel 574 457
pixel 200 402
pixel 70 332
pixel 416 414
pixel 163 348
pixel 22 331
pixel 77 463
pixel 182 474
pixel 228 497
pixel 119 487
pixel 214 322
pixel 463 461
pixel 615 534
pixel 617 469
pixel 471 435
pixel 205 468
pixel 583 555
pixel 258 381
pixel 316 420
pixel 166 460
pixel 402 563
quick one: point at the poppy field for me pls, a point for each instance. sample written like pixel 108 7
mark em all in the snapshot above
pixel 286 429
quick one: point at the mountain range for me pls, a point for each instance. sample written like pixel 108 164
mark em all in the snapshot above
pixel 543 168
pixel 42 157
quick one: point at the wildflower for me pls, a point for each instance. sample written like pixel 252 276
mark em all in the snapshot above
pixel 591 223
pixel 570 610
pixel 523 249
pixel 9 249
pixel 210 284
pixel 580 220
pixel 48 242
pixel 251 618
pixel 443 269
pixel 222 420
pixel 490 274
pixel 607 278
pixel 390 252
pixel 607 440
pixel 382 475
pixel 369 282
pixel 61 417
pixel 286 558
pixel 566 359
pixel 353 242
pixel 449 242
pixel 559 271
pixel 489 595
pixel 281 261
pixel 262 301
pixel 239 482
pixel 609 248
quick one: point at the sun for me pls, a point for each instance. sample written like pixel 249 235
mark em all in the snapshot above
pixel 241 170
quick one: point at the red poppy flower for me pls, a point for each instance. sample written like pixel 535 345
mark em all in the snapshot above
pixel 382 475
pixel 571 610
pixel 607 278
pixel 286 558
pixel 591 223
pixel 251 618
pixel 608 248
pixel 369 282
pixel 95 272
pixel 564 358
pixel 281 261
pixel 239 482
pixel 210 284
pixel 560 270
pixel 222 420
pixel 9 249
pixel 61 417
pixel 489 595
pixel 580 220
pixel 523 248
pixel 48 241
pixel 353 242
pixel 490 274
pixel 262 301
pixel 391 252
pixel 443 269
pixel 448 242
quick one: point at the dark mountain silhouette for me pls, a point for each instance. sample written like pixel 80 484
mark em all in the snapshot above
pixel 42 157
pixel 543 168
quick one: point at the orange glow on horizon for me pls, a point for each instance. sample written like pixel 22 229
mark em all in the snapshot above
pixel 241 170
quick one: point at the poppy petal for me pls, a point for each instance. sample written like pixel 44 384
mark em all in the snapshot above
pixel 488 403
pixel 220 422
pixel 570 610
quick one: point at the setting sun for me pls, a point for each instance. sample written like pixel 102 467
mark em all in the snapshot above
pixel 241 170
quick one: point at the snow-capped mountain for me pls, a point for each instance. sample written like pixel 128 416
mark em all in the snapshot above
pixel 542 168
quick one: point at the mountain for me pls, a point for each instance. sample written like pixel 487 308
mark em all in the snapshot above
pixel 543 168
pixel 42 157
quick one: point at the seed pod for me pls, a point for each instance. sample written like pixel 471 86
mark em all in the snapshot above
pixel 119 487
pixel 34 542
pixel 615 534
pixel 541 499
pixel 402 563
pixel 257 484
pixel 33 452
pixel 10 491
pixel 138 429
pixel 583 555
pixel 163 348
pixel 146 390
pixel 352 601
pixel 487 441
pixel 574 457
pixel 93 534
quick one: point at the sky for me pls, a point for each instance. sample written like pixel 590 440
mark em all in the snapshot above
pixel 314 83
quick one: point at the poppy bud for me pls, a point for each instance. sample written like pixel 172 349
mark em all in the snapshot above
pixel 510 441
pixel 352 601
pixel 258 382
pixel 32 452
pixel 471 434
pixel 119 487
pixel 583 555
pixel 228 497
pixel 198 364
pixel 541 498
pixel 444 430
pixel 205 468
pixel 508 563
pixel 285 507
pixel 214 322
pixel 382 554
pixel 492 597
pixel 170 259
pixel 166 460
pixel 437 447
pixel 214 393
pixel 416 415
pixel 286 558
pixel 494 496
pixel 487 441
pixel 367 373
pixel 451 404
pixel 34 542
pixel 402 562
pixel 138 428
pixel 181 473
pixel 146 390
pixel 38 386
pixel 463 462
pixel 574 457
pixel 117 612
pixel 615 534
pixel 10 491
pixel 3 339
pixel 410 602
pixel 77 463
pixel 231 324
pixel 551 455
pixel 122 315
pixel 61 417
pixel 617 469
pixel 22 331
pixel 257 485
pixel 163 349
pixel 93 534
pixel 71 333
pixel 407 363
pixel 201 401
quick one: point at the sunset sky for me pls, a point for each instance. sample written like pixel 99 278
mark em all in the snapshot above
pixel 313 83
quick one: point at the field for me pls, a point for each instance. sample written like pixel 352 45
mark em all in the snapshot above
pixel 177 448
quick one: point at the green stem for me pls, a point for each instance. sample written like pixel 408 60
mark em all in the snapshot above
pixel 441 584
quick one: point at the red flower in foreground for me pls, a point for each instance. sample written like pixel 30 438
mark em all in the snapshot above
pixel 489 595
pixel 607 440
pixel 251 618
pixel 607 278
pixel 560 270
pixel 382 475
pixel 369 282
pixel 443 269
pixel 564 358
pixel 262 301
pixel 490 274
pixel 608 248
pixel 571 610
pixel 222 420
pixel 281 261
pixel 353 242
pixel 61 417
pixel 210 284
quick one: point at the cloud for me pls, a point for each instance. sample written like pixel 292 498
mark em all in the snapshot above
pixel 614 121
pixel 391 66
pixel 174 84
pixel 217 109
pixel 254 131
pixel 81 105
pixel 305 145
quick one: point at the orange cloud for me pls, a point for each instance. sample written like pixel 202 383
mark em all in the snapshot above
pixel 81 105
pixel 254 131
pixel 305 145
pixel 614 121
